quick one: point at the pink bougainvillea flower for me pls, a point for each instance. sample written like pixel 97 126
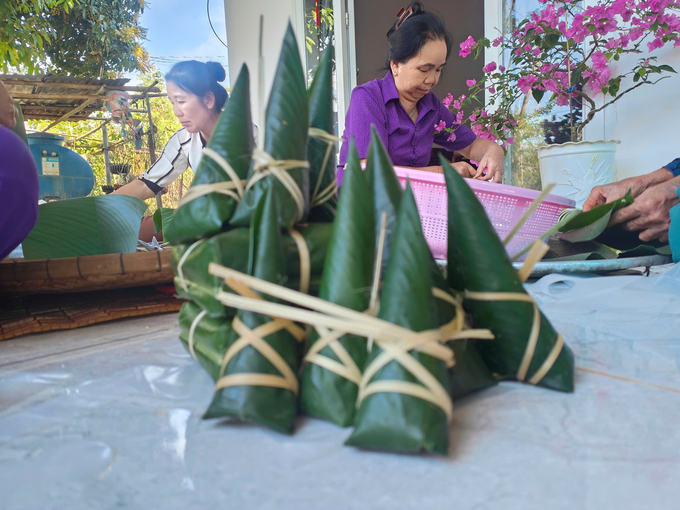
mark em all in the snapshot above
pixel 550 85
pixel 456 104
pixel 466 47
pixel 492 89
pixel 525 83
pixel 546 68
pixel 452 137
pixel 491 67
pixel 497 42
pixel 655 44
pixel 439 126
pixel 447 100
pixel 473 117
pixel 471 83
pixel 459 117
pixel 501 69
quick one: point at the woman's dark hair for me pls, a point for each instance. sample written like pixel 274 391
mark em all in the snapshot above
pixel 200 78
pixel 407 39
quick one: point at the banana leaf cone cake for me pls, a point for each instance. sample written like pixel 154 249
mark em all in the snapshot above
pixel 220 178
pixel 526 346
pixel 470 373
pixel 404 404
pixel 333 364
pixel 204 337
pixel 282 165
pixel 258 374
pixel 231 249
pixel 322 148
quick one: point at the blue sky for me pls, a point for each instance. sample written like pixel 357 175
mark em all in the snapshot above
pixel 178 29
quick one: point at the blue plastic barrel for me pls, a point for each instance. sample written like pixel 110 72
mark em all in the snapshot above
pixel 62 173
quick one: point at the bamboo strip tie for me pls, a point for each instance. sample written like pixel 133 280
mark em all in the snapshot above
pixel 192 330
pixel 182 260
pixel 266 165
pixel 320 198
pixel 305 259
pixel 537 252
pixel 347 367
pixel 395 341
pixel 224 188
pixel 255 338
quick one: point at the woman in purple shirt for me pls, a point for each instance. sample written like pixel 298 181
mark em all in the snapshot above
pixel 403 108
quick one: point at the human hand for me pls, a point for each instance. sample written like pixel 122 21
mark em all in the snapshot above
pixel 465 169
pixel 650 213
pixel 493 162
pixel 609 192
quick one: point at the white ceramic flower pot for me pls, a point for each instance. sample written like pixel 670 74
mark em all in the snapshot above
pixel 576 167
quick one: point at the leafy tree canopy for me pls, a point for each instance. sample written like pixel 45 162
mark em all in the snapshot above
pixel 89 38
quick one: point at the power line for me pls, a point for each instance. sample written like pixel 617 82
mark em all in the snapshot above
pixel 211 25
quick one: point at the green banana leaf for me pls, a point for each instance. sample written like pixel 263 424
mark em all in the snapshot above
pixel 578 226
pixel 210 337
pixel 231 249
pixel 346 281
pixel 477 262
pixel 272 407
pixel 321 116
pixel 84 226
pixel 232 138
pixel 384 184
pixel 613 243
pixel 395 421
pixel 19 128
pixel 470 372
pixel 162 218
pixel 286 129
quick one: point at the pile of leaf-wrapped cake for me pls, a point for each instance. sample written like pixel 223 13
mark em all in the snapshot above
pixel 300 300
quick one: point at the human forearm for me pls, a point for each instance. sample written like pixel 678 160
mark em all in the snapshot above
pixel 135 189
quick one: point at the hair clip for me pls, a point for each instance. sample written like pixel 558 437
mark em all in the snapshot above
pixel 403 15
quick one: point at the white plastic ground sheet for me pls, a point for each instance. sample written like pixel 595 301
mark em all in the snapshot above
pixel 110 417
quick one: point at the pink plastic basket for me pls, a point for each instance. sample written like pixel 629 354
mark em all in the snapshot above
pixel 504 205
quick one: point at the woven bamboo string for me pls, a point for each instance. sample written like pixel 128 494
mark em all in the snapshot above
pixel 182 260
pixel 224 188
pixel 537 252
pixel 347 367
pixel 305 259
pixel 255 338
pixel 266 165
pixel 192 329
pixel 395 341
pixel 319 198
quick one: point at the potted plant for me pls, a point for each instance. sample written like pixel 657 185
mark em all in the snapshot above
pixel 584 58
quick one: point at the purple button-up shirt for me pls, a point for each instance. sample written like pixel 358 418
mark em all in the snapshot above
pixel 408 144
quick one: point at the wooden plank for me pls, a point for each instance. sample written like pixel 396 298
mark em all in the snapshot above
pixel 78 108
pixel 55 84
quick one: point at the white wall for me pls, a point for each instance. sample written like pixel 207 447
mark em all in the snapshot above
pixel 243 27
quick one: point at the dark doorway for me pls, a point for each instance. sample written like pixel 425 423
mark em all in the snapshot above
pixel 463 18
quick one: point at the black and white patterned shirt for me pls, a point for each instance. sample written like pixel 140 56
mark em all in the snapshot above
pixel 182 151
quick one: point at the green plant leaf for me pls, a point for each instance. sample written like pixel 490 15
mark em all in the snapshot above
pixel 585 226
pixel 538 95
pixel 394 421
pixel 162 218
pixel 286 131
pixel 346 281
pixel 321 116
pixel 272 407
pixel 477 262
pixel 85 226
pixel 232 139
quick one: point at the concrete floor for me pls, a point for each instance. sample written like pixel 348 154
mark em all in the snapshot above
pixel 110 416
